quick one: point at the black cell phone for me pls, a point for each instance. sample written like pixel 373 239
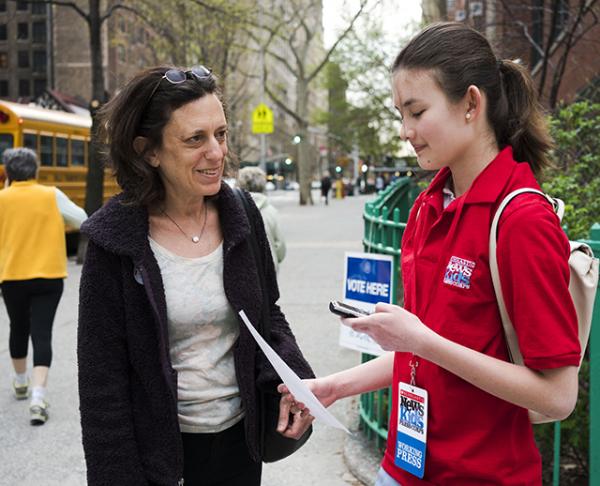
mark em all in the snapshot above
pixel 345 310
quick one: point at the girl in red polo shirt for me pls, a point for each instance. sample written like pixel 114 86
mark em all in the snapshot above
pixel 475 119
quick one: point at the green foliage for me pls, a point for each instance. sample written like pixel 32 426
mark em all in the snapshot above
pixel 339 116
pixel 576 177
pixel 368 117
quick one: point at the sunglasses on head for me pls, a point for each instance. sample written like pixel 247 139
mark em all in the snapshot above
pixel 177 76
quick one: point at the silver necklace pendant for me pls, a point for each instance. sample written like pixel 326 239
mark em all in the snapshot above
pixel 194 238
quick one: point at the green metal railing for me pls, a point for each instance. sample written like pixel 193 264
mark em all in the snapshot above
pixel 382 234
pixel 385 220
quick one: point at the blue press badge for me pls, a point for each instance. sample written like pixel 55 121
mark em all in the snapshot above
pixel 411 440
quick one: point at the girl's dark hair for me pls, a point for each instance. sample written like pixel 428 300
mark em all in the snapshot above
pixel 143 108
pixel 459 56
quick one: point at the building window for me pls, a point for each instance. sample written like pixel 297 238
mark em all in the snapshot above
pixel 23 59
pixel 39 32
pixel 3 6
pixel 3 35
pixel 22 31
pixel 38 8
pixel 39 86
pixel 3 88
pixel 22 6
pixel 3 60
pixel 39 61
pixel 24 87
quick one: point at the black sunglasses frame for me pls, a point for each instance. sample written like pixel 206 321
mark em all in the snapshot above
pixel 177 76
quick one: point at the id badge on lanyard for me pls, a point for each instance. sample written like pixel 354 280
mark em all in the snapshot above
pixel 411 439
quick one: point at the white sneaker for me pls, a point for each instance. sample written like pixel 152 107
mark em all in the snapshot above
pixel 38 413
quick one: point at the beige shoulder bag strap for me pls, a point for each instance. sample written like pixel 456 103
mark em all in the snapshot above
pixel 509 331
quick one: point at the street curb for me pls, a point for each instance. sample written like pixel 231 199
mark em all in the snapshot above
pixel 360 454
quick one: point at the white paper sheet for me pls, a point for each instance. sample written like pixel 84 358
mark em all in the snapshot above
pixel 300 391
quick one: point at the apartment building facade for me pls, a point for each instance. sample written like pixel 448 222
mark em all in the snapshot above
pixel 25 46
pixel 554 39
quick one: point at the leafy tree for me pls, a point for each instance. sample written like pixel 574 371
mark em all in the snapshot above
pixel 338 118
pixel 576 177
pixel 94 18
pixel 363 61
pixel 288 30
pixel 289 37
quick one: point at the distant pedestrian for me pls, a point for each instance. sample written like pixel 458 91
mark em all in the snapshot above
pixel 169 377
pixel 379 183
pixel 459 406
pixel 254 180
pixel 33 265
pixel 326 186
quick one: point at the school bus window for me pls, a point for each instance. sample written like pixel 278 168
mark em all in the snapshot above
pixel 46 150
pixel 30 141
pixel 62 152
pixel 6 142
pixel 77 153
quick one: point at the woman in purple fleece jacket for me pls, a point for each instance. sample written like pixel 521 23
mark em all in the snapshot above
pixel 168 377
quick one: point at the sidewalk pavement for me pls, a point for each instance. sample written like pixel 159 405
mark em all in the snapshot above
pixel 310 276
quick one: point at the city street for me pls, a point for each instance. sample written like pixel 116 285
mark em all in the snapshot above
pixel 310 276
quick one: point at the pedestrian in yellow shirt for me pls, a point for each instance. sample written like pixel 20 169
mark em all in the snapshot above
pixel 32 268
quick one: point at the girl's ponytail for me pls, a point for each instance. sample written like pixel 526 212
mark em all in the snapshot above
pixel 518 118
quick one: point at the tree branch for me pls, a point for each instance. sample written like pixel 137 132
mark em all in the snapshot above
pixel 325 60
pixel 119 6
pixel 284 106
pixel 61 3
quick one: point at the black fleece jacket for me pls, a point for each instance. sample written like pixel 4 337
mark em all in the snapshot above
pixel 127 386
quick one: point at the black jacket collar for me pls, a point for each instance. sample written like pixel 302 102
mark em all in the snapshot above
pixel 123 228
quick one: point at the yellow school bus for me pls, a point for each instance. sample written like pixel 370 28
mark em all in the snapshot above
pixel 62 142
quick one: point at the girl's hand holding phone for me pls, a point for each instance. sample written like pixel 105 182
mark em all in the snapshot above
pixel 393 328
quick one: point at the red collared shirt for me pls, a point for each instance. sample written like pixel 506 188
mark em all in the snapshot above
pixel 474 438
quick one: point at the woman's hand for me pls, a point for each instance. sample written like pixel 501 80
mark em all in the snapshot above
pixel 393 328
pixel 294 417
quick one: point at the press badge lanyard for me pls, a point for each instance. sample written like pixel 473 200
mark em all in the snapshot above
pixel 411 439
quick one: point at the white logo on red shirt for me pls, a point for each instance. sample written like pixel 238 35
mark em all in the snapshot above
pixel 459 272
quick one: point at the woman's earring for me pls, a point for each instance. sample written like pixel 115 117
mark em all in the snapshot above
pixel 468 116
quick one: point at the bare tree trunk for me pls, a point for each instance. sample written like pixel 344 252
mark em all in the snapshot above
pixel 95 175
pixel 304 167
pixel 304 163
pixel 94 193
pixel 551 35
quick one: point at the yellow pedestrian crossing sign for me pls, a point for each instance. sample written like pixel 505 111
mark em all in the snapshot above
pixel 262 119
